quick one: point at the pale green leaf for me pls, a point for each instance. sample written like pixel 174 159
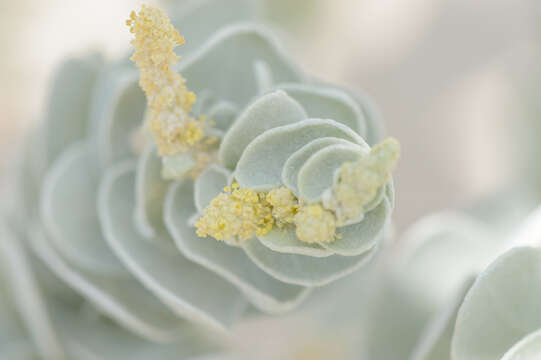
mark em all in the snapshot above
pixel 292 166
pixel 210 184
pixel 267 112
pixel 529 348
pixel 118 116
pixel 325 102
pixel 304 270
pixel 435 341
pixel 501 308
pixel 69 214
pixel 150 189
pixel 197 20
pixel 220 65
pixel 319 172
pixel 260 166
pixel 362 236
pixel 286 241
pixel 122 298
pixel 26 300
pixel 222 114
pixel 230 262
pixel 190 290
pixel 68 110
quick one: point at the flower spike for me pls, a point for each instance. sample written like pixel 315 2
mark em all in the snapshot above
pixel 175 130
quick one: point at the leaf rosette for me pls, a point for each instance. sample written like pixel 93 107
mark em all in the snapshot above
pixel 116 220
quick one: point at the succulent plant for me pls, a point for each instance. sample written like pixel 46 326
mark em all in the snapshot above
pixel 169 201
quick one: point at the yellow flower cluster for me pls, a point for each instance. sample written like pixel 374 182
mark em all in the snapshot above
pixel 358 182
pixel 241 213
pixel 315 224
pixel 171 123
pixel 284 205
pixel 244 213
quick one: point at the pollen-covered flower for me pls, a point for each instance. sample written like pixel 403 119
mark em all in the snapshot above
pixel 315 224
pixel 174 128
pixel 241 213
pixel 357 183
pixel 284 205
pixel 180 191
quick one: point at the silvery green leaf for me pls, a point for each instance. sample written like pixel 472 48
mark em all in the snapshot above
pixel 318 172
pixel 11 328
pixel 69 104
pixel 210 184
pixel 69 214
pixel 437 256
pixel 20 283
pixel 286 241
pixel 267 112
pixel 528 233
pixel 325 102
pixel 293 164
pixel 373 118
pixel 303 270
pixel 501 308
pixel 222 114
pixel 362 236
pixel 100 338
pixel 187 288
pixel 263 76
pixel 121 298
pixel 235 48
pixel 197 20
pixel 443 250
pixel 435 342
pixel 177 166
pixel 150 190
pixel 372 115
pixel 392 314
pixel 203 101
pixel 118 116
pixel 230 262
pixel 529 348
pixel 33 164
pixel 260 166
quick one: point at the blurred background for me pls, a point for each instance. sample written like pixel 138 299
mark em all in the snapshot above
pixel 454 79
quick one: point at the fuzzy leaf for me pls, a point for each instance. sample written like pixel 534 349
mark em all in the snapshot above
pixel 435 342
pixel 187 288
pixel 69 214
pixel 208 185
pixel 69 104
pixel 303 270
pixel 267 112
pixel 260 166
pixel 286 241
pixel 325 102
pixel 235 48
pixel 123 299
pixel 501 308
pixel 357 238
pixel 529 348
pixel 318 172
pixel 118 115
pixel 150 190
pixel 230 262
pixel 292 166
